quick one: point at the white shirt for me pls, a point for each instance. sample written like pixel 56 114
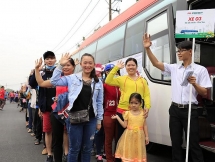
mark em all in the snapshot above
pixel 33 98
pixel 180 94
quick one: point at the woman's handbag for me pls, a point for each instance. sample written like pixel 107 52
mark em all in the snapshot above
pixel 81 116
pixel 28 96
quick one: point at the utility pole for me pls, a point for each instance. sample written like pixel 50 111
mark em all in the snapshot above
pixel 110 11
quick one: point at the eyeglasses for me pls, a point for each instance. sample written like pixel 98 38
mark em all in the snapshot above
pixel 180 51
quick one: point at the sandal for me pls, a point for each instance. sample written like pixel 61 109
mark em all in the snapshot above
pixel 44 152
pixel 29 131
pixel 37 142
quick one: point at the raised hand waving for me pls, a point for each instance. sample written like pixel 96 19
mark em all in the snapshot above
pixel 38 63
pixel 65 58
pixel 76 61
pixel 120 64
pixel 146 41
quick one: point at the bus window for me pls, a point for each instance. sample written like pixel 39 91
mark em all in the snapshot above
pixel 110 47
pixel 159 21
pixel 207 57
pixel 134 36
pixel 91 49
pixel 77 67
pixel 135 28
pixel 160 44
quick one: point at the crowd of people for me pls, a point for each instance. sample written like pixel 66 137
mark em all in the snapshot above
pixel 56 101
pixel 100 110
pixel 12 96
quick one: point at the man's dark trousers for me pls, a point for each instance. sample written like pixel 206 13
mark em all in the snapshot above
pixel 177 123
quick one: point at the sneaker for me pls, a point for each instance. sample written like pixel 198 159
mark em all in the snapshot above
pixel 99 158
pixel 64 159
pixel 49 158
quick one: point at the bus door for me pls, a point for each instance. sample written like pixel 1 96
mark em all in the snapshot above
pixel 160 26
pixel 205 56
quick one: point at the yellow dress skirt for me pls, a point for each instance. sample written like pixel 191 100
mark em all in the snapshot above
pixel 131 145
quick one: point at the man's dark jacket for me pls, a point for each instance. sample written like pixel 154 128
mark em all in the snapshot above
pixel 44 99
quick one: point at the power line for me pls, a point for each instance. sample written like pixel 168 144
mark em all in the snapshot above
pixel 89 32
pixel 78 26
pixel 92 29
pixel 101 21
pixel 73 25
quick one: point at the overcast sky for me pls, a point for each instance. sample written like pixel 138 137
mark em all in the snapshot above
pixel 31 27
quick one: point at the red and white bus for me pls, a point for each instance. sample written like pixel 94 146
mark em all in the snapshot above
pixel 122 38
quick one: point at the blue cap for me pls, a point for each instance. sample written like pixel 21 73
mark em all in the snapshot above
pixel 109 67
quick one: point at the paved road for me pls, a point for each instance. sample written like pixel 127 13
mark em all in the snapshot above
pixel 16 145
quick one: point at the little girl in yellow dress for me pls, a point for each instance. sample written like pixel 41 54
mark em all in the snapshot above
pixel 131 146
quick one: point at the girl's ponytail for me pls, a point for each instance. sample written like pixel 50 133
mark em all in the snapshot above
pixel 94 76
pixel 143 103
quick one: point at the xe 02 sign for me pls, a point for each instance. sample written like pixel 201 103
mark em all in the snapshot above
pixel 195 23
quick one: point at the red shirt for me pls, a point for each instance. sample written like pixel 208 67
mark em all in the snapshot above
pixel 2 93
pixel 111 99
pixel 59 90
pixel 12 94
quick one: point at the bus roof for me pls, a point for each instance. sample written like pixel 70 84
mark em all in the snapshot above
pixel 129 13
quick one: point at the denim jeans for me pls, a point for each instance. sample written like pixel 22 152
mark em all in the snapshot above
pixel 30 118
pixel 99 141
pixel 81 138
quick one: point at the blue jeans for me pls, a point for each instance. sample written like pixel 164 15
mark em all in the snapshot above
pixel 30 118
pixel 99 141
pixel 81 138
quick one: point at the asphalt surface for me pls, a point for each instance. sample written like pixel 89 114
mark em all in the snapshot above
pixel 16 145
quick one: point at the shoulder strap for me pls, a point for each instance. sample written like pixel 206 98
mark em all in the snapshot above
pixel 91 95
